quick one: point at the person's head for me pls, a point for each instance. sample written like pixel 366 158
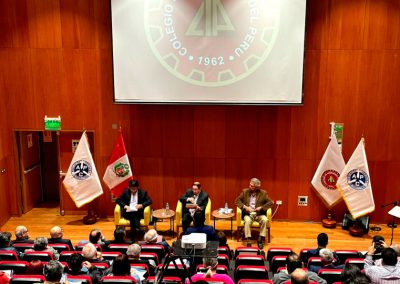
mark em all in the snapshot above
pixel 35 267
pixel 210 263
pixel 299 276
pixel 359 279
pixel 119 234
pixel 322 240
pixel 40 243
pixel 56 232
pixel 326 256
pixel 21 232
pixel 151 236
pixel 134 186
pixel 196 188
pixel 89 251
pixel 377 242
pixel 396 249
pixel 53 271
pixel 389 256
pixel 199 219
pixel 95 236
pixel 221 238
pixel 121 266
pixel 350 271
pixel 293 262
pixel 254 184
pixel 75 261
pixel 133 251
pixel 4 240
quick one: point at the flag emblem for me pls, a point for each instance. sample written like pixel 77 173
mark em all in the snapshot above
pixel 357 179
pixel 81 170
pixel 121 169
pixel 329 179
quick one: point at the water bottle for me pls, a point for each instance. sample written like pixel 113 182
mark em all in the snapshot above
pixel 226 208
pixel 167 208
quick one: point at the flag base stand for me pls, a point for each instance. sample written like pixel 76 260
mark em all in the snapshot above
pixel 356 230
pixel 329 222
pixel 90 218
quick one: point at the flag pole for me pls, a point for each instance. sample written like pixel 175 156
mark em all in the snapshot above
pixel 90 218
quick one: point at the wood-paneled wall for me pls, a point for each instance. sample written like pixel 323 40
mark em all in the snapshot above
pixel 56 59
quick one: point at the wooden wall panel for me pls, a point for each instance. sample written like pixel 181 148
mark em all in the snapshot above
pixel 346 25
pixel 14 23
pixel 382 24
pixel 317 24
pixel 44 23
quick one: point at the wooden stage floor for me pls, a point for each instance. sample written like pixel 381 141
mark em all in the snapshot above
pixel 296 235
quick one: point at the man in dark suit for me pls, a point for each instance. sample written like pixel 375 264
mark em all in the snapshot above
pixel 193 200
pixel 56 237
pixel 132 202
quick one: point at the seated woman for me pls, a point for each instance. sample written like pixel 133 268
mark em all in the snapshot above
pixel 211 264
pixel 122 267
pixel 40 244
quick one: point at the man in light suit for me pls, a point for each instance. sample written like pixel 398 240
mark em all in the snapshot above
pixel 132 202
pixel 193 200
pixel 254 203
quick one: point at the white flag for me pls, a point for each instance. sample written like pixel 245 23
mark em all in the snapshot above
pixel 82 182
pixel 327 174
pixel 355 185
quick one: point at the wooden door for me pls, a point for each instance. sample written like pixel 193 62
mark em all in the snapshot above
pixel 30 169
pixel 67 141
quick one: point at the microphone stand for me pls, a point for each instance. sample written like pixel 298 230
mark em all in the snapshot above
pixel 393 224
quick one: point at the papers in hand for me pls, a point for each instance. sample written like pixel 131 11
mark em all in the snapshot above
pixel 131 209
pixel 191 205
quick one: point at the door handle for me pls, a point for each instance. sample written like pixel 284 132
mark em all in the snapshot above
pixel 31 168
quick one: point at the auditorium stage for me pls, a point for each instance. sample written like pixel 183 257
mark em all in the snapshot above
pixel 296 235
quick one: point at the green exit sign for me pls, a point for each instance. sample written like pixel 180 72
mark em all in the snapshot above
pixel 52 123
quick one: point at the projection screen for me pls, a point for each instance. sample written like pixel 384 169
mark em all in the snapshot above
pixel 208 51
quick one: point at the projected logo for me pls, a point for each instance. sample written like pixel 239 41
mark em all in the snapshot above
pixel 211 42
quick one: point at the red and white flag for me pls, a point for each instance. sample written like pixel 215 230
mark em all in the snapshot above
pixel 355 185
pixel 82 181
pixel 327 174
pixel 118 172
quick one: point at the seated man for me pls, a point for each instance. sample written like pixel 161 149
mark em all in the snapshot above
pixel 199 227
pixel 120 237
pixel 40 244
pixel 327 261
pixel 56 237
pixel 77 266
pixel 21 235
pixel 90 254
pixel 254 203
pixel 5 244
pixel 195 199
pixel 388 271
pixel 293 262
pixel 299 276
pixel 133 253
pixel 152 237
pixel 53 271
pixel 322 242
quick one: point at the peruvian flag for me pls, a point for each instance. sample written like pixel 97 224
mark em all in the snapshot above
pixel 118 172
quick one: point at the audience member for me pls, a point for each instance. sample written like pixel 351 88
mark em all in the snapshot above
pixel 4 278
pixel 195 199
pixel 56 237
pixel 40 244
pixel 322 241
pixel 53 272
pixel 254 203
pixel 223 242
pixel 122 267
pixel 133 201
pixel 5 244
pixel 379 244
pixel 35 267
pixel 152 237
pixel 299 276
pixel 388 272
pixel 293 262
pixel 200 227
pixel 77 266
pixel 119 237
pixel 327 260
pixel 349 273
pixel 90 254
pixel 21 235
pixel 210 263
pixel 133 253
pixel 96 237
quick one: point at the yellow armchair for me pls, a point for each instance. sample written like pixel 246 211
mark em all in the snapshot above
pixel 120 221
pixel 178 215
pixel 240 223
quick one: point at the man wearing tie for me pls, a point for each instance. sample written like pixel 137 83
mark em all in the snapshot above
pixel 193 200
